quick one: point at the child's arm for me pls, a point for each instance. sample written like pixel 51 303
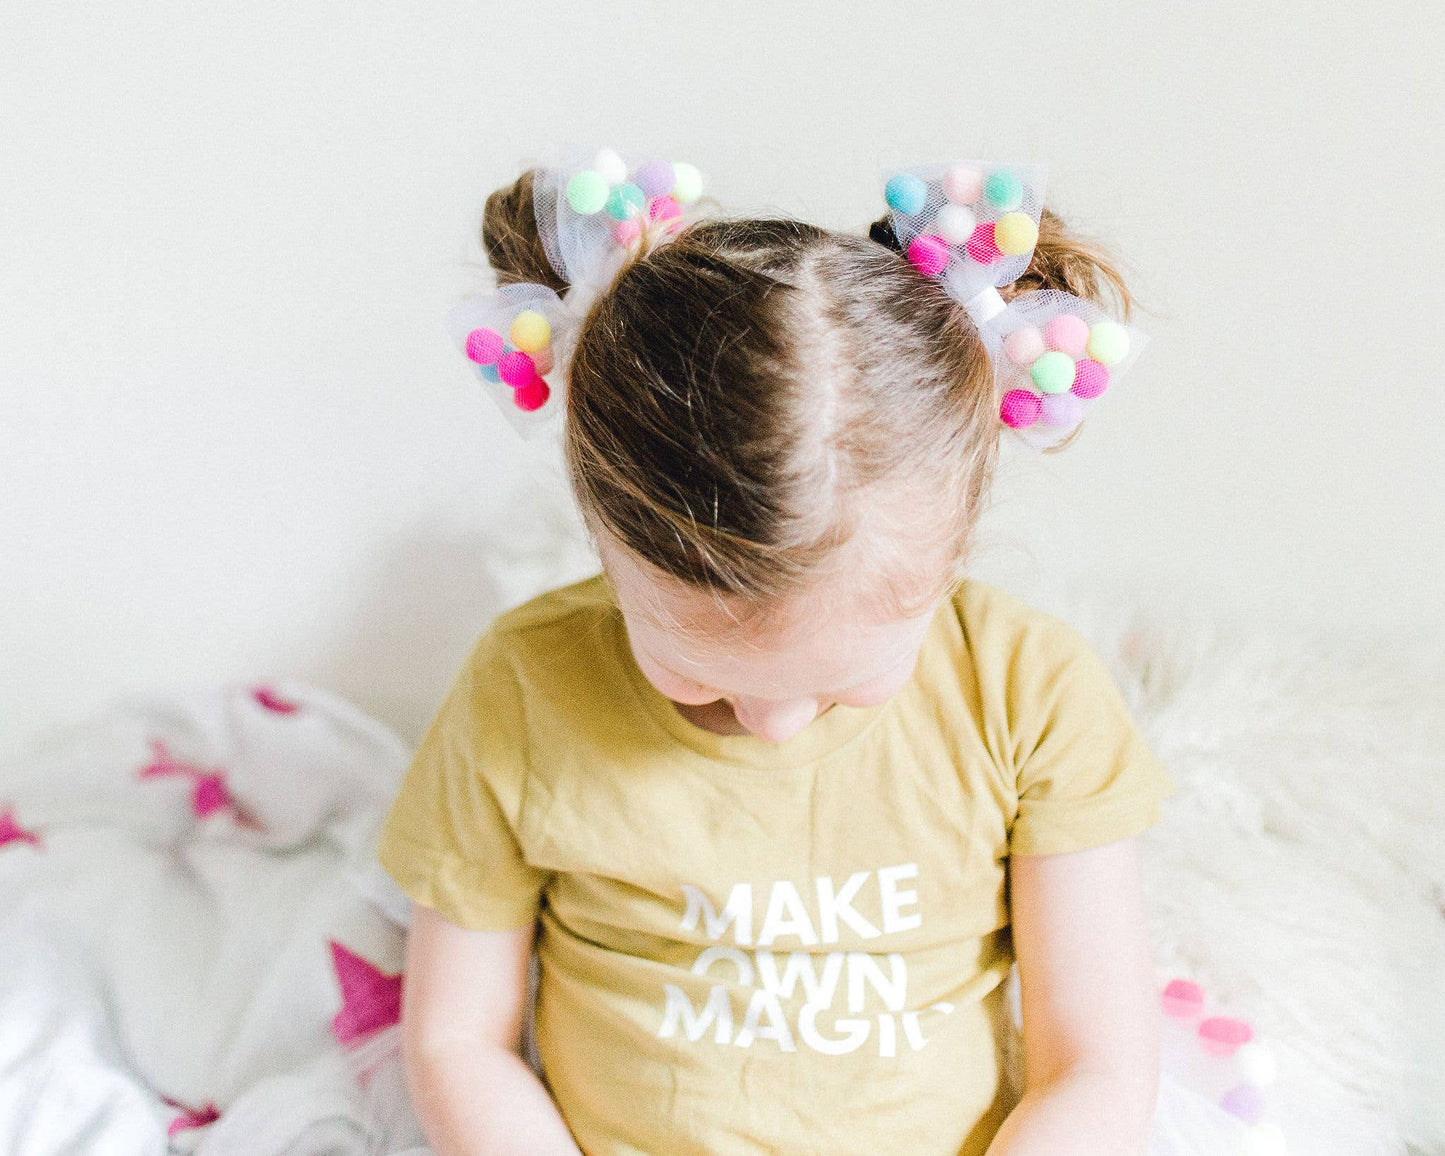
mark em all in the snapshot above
pixel 1090 1013
pixel 462 1010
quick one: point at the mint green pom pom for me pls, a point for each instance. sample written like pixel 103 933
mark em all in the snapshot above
pixel 1108 342
pixel 1053 372
pixel 587 192
pixel 688 186
pixel 1004 190
pixel 625 201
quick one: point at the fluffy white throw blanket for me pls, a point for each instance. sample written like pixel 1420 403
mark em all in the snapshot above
pixel 1299 871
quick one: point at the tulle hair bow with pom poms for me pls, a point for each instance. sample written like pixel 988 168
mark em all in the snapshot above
pixel 973 225
pixel 594 209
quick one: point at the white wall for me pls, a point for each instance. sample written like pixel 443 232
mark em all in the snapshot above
pixel 234 442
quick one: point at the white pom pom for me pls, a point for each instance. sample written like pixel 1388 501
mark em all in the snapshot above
pixel 955 224
pixel 1256 1064
pixel 1265 1139
pixel 611 166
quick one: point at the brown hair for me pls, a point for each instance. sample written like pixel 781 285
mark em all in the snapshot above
pixel 757 394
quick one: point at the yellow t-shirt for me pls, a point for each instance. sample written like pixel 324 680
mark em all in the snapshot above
pixel 747 946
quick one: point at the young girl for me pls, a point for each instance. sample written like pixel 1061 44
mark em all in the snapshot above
pixel 780 795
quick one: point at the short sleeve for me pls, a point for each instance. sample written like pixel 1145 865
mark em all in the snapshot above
pixel 1084 774
pixel 450 839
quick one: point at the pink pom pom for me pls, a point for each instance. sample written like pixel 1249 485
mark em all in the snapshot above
pixel 1182 998
pixel 484 346
pixel 929 254
pixel 1062 409
pixel 1023 345
pixel 981 245
pixel 1090 378
pixel 532 396
pixel 1220 1035
pixel 1068 334
pixel 1020 409
pixel 625 232
pixel 663 209
pixel 542 360
pixel 963 185
pixel 517 369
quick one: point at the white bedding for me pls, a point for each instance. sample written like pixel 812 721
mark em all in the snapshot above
pixel 172 878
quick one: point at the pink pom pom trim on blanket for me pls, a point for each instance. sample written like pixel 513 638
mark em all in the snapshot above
pixel 1182 998
pixel 1221 1035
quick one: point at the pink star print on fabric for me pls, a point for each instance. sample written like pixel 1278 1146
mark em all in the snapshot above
pixel 272 701
pixel 13 832
pixel 209 792
pixel 190 1118
pixel 370 999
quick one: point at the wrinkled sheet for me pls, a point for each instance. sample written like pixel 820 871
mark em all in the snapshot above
pixel 194 954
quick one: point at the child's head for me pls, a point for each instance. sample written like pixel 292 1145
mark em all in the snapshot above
pixel 781 438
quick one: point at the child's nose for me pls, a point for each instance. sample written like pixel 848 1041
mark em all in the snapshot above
pixel 775 721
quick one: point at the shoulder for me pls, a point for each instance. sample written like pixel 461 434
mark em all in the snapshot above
pixel 1034 673
pixel 529 660
pixel 559 649
pixel 1059 726
pixel 561 619
pixel 553 609
pixel 1005 634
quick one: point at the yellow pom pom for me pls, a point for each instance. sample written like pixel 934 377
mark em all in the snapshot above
pixel 530 331
pixel 1015 234
pixel 1108 342
pixel 688 186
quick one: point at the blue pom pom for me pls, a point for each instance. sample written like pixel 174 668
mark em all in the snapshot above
pixel 906 193
pixel 489 373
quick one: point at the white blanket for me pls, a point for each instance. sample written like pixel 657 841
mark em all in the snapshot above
pixel 187 957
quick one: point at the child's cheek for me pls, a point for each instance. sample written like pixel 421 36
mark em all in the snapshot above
pixel 879 691
pixel 685 693
pixel 679 690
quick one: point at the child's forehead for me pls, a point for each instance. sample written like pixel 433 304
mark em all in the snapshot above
pixel 832 628
pixel 704 616
pixel 846 627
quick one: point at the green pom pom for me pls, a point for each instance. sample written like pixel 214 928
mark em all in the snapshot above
pixel 1108 342
pixel 625 201
pixel 688 186
pixel 587 192
pixel 1053 372
pixel 1004 190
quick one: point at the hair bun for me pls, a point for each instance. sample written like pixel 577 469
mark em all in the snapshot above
pixel 510 238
